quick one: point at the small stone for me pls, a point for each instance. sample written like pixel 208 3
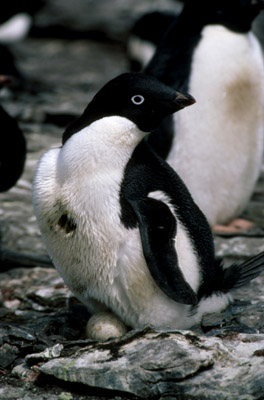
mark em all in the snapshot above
pixel 65 396
pixel 103 326
pixel 210 321
pixel 50 297
pixel 23 372
pixel 12 304
pixel 47 354
pixel 8 354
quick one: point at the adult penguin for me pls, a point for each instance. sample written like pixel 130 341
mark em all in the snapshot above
pixel 118 222
pixel 216 146
pixel 12 146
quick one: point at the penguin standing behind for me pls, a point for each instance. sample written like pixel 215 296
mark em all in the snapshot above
pixel 146 35
pixel 119 223
pixel 12 147
pixel 16 19
pixel 216 147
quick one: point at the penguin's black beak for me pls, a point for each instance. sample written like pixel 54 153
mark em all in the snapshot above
pixel 183 100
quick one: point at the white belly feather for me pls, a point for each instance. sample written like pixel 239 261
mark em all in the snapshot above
pixel 219 141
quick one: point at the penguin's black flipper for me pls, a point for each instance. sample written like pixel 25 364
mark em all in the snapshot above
pixel 157 227
pixel 238 275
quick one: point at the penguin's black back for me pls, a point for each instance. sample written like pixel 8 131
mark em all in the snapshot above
pixel 172 60
pixel 12 151
pixel 152 26
pixel 8 64
pixel 171 64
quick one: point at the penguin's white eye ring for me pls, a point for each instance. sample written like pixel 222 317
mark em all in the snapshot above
pixel 137 99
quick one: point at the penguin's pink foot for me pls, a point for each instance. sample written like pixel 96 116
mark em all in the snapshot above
pixel 235 226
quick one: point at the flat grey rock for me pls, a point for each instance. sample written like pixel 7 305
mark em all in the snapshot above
pixel 154 363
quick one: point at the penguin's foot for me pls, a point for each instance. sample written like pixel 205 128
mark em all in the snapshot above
pixel 235 226
pixel 105 325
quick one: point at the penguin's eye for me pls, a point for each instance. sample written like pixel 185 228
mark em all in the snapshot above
pixel 137 99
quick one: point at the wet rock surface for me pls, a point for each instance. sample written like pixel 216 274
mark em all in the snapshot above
pixel 42 326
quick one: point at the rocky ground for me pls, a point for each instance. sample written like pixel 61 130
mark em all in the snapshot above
pixel 37 311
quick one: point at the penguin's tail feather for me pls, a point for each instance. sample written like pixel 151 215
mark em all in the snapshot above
pixel 232 277
pixel 238 275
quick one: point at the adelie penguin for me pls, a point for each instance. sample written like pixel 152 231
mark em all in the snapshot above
pixel 216 147
pixel 118 222
pixel 12 146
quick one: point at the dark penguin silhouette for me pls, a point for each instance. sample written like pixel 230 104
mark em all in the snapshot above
pixel 145 35
pixel 8 66
pixel 118 222
pixel 12 147
pixel 216 146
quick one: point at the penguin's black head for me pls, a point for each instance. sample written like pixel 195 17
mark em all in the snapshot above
pixel 237 15
pixel 138 97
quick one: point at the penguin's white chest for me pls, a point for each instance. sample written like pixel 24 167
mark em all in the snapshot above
pixel 78 213
pixel 219 141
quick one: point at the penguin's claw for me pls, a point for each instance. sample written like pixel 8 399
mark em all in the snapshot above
pixel 236 225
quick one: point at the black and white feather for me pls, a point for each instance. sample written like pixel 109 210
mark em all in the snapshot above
pixel 118 222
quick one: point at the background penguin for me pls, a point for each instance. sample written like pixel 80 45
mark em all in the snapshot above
pixel 119 223
pixel 216 146
pixel 12 147
pixel 8 67
pixel 16 20
pixel 145 35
